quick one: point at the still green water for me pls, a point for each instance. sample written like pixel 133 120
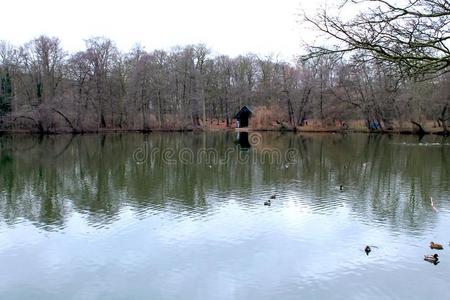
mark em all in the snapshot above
pixel 181 216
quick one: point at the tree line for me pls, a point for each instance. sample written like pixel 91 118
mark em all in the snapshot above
pixel 375 75
pixel 411 37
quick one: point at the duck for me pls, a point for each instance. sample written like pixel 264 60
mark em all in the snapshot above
pixel 341 187
pixel 436 246
pixel 268 203
pixel 431 258
pixel 367 249
pixel 273 196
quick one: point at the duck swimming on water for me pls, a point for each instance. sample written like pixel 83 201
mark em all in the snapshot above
pixel 436 246
pixel 273 196
pixel 431 258
pixel 367 250
pixel 268 203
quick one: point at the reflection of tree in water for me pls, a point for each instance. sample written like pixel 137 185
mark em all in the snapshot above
pixel 45 180
pixel 28 188
pixel 387 182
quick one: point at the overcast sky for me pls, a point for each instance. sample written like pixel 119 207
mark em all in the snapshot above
pixel 227 26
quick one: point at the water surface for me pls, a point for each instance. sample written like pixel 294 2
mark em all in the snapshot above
pixel 181 216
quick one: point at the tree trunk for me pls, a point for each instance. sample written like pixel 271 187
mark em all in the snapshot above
pixel 443 121
pixel 420 130
pixel 74 130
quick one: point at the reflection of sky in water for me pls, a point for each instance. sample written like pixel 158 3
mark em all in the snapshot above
pixel 282 250
pixel 148 236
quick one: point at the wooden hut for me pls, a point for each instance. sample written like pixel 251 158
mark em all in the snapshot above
pixel 243 116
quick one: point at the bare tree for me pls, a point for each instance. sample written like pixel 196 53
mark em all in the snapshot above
pixel 43 89
pixel 100 53
pixel 412 34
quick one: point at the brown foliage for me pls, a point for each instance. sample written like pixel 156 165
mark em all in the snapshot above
pixel 267 117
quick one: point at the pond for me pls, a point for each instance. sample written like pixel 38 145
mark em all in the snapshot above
pixel 182 216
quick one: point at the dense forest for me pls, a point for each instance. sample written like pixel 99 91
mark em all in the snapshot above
pixel 45 89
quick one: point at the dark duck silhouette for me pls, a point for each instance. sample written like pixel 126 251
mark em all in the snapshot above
pixel 431 258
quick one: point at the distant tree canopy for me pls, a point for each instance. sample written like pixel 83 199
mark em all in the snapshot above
pixel 412 34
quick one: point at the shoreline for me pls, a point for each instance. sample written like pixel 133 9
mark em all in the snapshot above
pixel 403 131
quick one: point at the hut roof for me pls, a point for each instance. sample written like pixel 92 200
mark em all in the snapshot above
pixel 244 110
